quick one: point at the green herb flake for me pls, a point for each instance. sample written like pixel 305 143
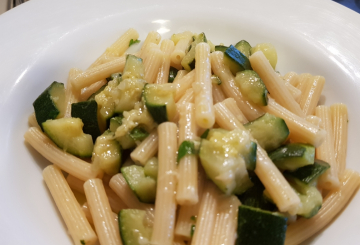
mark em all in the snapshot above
pixel 186 148
pixel 193 218
pixel 138 133
pixel 82 242
pixel 132 41
pixel 215 80
pixel 192 230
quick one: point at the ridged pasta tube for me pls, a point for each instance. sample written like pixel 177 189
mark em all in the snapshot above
pixel 147 149
pixel 167 46
pixel 75 219
pixel 311 94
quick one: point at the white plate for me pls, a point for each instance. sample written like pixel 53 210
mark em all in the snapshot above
pixel 41 40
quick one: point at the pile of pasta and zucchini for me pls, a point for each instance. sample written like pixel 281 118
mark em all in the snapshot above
pixel 187 142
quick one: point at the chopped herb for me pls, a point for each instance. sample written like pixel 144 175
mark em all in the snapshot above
pixel 192 230
pixel 172 74
pixel 215 80
pixel 132 41
pixel 82 242
pixel 138 133
pixel 193 218
pixel 186 148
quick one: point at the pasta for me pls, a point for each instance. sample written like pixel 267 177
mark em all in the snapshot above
pixel 167 164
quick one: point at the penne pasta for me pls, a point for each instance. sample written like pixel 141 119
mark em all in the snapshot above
pixel 339 119
pixel 230 89
pixel 75 219
pixel 88 91
pixel 333 203
pixel 165 203
pixel 67 162
pixel 217 93
pixel 70 97
pixel 146 149
pixel 328 180
pixel 106 227
pixel 167 46
pixel 274 84
pixel 184 84
pixel 311 94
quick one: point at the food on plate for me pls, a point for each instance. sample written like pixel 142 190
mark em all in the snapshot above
pixel 187 142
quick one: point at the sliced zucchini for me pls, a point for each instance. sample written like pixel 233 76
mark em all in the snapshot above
pixel 50 104
pixel 249 154
pixel 215 80
pixel 92 97
pixel 133 226
pixel 254 196
pixel 172 74
pixel 236 60
pixel 244 47
pixel 143 186
pixel 159 100
pixel 309 173
pixel 293 156
pixel 221 48
pixel 115 122
pixel 87 112
pixel 310 197
pixel 188 62
pixel 151 168
pixel 252 87
pixel 126 141
pixel 270 131
pixel 106 104
pixel 115 76
pixel 107 154
pixel 138 133
pixel 186 148
pixel 134 68
pixel 260 227
pixel 68 135
pixel 268 50
pixel 222 156
pixel 127 94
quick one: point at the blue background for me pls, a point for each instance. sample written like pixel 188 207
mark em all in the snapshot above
pixel 352 4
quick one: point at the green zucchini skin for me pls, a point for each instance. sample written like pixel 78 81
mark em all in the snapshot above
pixel 87 112
pixel 45 107
pixel 244 47
pixel 139 133
pixel 309 173
pixel 221 48
pixel 143 186
pixel 256 226
pixel 172 74
pixel 254 196
pixel 131 220
pixel 158 112
pixel 252 87
pixel 188 62
pixel 270 131
pixel 236 60
pixel 293 156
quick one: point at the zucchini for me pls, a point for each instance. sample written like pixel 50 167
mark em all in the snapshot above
pixel 143 186
pixel 134 68
pixel 107 154
pixel 159 100
pixel 268 50
pixel 134 227
pixel 50 104
pixel 269 131
pixel 188 62
pixel 138 133
pixel 92 97
pixel 115 122
pixel 151 168
pixel 172 74
pixel 127 94
pixel 68 135
pixel 310 197
pixel 236 60
pixel 221 48
pixel 222 156
pixel 244 47
pixel 249 154
pixel 186 148
pixel 87 112
pixel 260 227
pixel 293 156
pixel 215 80
pixel 254 196
pixel 309 173
pixel 115 76
pixel 126 141
pixel 252 87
